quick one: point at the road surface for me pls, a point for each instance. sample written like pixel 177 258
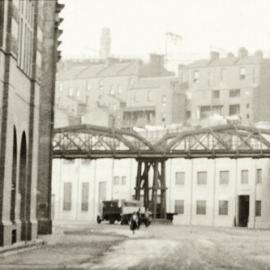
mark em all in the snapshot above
pixel 156 247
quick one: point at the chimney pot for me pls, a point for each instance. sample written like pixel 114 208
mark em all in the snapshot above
pixel 242 53
pixel 214 55
pixel 259 54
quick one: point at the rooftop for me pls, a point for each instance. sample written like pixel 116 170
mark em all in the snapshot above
pixel 242 58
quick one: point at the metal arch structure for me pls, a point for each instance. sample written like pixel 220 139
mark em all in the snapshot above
pixel 225 141
pixel 92 142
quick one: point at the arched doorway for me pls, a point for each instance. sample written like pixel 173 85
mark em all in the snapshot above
pixel 14 177
pixel 24 191
pixel 13 186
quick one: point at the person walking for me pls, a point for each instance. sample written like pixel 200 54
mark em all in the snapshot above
pixel 134 222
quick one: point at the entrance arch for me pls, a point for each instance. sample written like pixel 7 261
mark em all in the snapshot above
pixel 24 190
pixel 14 178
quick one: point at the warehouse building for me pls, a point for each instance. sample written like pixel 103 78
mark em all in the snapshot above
pixel 28 33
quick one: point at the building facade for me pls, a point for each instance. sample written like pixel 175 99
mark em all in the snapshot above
pixel 98 93
pixel 22 54
pixel 221 192
pixel 155 101
pixel 234 87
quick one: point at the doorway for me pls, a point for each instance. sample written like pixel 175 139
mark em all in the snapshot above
pixel 243 210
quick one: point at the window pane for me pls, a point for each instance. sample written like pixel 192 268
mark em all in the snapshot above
pixel 259 176
pixel 179 178
pixel 85 196
pixel 224 177
pixel 67 196
pixel 234 109
pixel 235 93
pixel 202 178
pixel 242 73
pixel 124 180
pixel 179 206
pixel 258 208
pixel 244 177
pixel 195 76
pixel 215 94
pixel 116 180
pixel 223 207
pixel 201 207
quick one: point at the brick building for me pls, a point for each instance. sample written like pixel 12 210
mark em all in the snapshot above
pixel 235 87
pixel 155 101
pixel 28 42
pixel 97 93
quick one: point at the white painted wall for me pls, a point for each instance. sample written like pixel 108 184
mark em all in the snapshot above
pixel 103 170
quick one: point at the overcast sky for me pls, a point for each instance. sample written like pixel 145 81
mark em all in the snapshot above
pixel 138 27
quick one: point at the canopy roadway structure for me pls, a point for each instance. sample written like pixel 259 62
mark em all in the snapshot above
pixel 94 142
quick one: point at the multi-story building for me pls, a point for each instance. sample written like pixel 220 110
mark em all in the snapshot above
pixel 27 50
pixel 97 93
pixel 235 87
pixel 218 192
pixel 155 101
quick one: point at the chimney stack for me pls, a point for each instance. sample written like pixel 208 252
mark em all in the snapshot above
pixel 259 55
pixel 214 55
pixel 157 62
pixel 242 53
pixel 105 44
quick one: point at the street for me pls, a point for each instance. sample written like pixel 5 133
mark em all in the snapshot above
pixel 156 247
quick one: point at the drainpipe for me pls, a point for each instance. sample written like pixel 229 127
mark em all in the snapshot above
pixel 214 193
pixel 95 204
pixel 235 193
pixel 191 193
pixel 255 191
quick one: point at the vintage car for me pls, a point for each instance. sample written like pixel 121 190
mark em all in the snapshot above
pixel 121 211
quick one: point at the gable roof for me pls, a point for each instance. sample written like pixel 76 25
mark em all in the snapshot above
pixel 98 70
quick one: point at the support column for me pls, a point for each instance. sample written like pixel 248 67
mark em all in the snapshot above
pixel 46 117
pixel 5 223
pixel 138 180
pixel 146 186
pixel 163 190
pixel 154 189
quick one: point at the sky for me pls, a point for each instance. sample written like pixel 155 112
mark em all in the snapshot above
pixel 138 27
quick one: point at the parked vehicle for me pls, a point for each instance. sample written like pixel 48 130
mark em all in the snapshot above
pixel 122 210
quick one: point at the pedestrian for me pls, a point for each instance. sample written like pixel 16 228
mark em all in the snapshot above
pixel 147 217
pixel 139 217
pixel 134 222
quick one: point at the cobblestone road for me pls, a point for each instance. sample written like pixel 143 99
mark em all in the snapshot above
pixel 157 247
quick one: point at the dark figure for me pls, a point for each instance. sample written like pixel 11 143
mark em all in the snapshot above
pixel 139 217
pixel 134 222
pixel 147 218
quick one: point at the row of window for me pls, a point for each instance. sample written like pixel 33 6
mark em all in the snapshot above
pixel 223 207
pixel 76 92
pixel 224 177
pixel 234 109
pixel 119 180
pixel 25 42
pixel 232 93
pixel 242 75
pixel 67 197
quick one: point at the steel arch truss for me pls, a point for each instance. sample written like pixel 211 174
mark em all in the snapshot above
pixel 88 141
pixel 217 142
